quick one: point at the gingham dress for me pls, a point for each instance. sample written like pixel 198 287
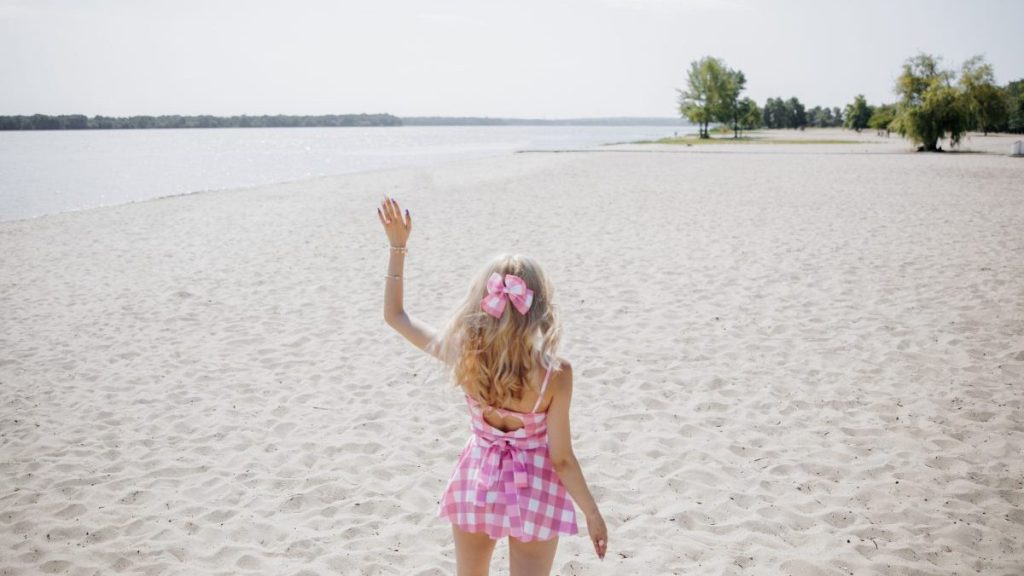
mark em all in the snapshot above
pixel 504 483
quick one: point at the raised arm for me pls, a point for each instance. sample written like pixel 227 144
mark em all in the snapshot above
pixel 563 459
pixel 398 227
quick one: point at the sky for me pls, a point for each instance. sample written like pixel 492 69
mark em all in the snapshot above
pixel 523 58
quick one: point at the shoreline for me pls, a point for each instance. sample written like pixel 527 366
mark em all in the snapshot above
pixel 767 144
pixel 113 166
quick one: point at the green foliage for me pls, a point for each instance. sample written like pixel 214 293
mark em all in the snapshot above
pixel 943 110
pixel 930 107
pixel 976 72
pixel 730 107
pixel 813 115
pixel 493 121
pixel 712 94
pixel 779 113
pixel 80 122
pixel 691 141
pixel 773 114
pixel 750 117
pixel 882 117
pixel 797 113
pixel 697 102
pixel 919 74
pixel 1015 106
pixel 822 118
pixel 858 113
pixel 989 107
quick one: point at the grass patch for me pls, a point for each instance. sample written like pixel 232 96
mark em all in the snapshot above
pixel 694 141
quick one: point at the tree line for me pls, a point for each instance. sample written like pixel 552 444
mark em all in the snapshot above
pixel 82 122
pixel 491 121
pixel 933 102
pixel 779 113
pixel 713 94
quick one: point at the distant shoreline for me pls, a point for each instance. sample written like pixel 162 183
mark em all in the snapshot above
pixel 487 121
pixel 41 122
pixel 105 167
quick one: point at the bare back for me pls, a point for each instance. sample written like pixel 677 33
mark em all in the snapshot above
pixel 535 398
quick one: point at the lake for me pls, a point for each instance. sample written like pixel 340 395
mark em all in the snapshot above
pixel 59 171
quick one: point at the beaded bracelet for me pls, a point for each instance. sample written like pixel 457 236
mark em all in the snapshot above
pixel 392 276
pixel 399 249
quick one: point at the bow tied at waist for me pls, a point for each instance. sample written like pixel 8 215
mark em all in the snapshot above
pixel 500 455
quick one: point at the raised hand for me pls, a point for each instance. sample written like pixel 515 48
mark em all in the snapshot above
pixel 395 225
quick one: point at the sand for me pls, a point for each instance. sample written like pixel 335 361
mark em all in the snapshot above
pixel 802 359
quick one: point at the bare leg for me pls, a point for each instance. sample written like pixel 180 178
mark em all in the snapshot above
pixel 472 552
pixel 531 558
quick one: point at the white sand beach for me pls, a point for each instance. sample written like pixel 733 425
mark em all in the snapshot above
pixel 802 359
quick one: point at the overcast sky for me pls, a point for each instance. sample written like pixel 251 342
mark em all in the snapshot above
pixel 522 58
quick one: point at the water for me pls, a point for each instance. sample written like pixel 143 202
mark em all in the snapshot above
pixel 50 172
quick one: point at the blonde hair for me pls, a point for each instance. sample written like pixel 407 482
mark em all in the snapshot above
pixel 491 358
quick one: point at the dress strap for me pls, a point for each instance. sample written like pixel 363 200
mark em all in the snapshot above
pixel 543 387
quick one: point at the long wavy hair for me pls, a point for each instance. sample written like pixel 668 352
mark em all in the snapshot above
pixel 491 358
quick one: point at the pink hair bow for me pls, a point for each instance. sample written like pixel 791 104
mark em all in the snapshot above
pixel 499 292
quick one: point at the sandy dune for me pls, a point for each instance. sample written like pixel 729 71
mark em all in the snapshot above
pixel 806 363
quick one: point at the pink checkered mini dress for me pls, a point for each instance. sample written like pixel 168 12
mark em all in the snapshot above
pixel 504 483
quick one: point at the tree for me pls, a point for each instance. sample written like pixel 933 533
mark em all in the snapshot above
pixel 1014 92
pixel 796 113
pixel 780 114
pixel 858 113
pixel 881 117
pixel 698 101
pixel 768 119
pixel 976 72
pixel 791 113
pixel 712 94
pixel 777 114
pixel 920 73
pixel 730 108
pixel 751 116
pixel 930 107
pixel 989 107
pixel 987 102
pixel 942 110
pixel 814 116
pixel 827 119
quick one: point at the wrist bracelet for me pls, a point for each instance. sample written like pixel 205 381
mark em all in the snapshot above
pixel 399 249
pixel 392 276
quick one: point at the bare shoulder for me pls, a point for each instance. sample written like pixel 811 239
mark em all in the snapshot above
pixel 561 377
